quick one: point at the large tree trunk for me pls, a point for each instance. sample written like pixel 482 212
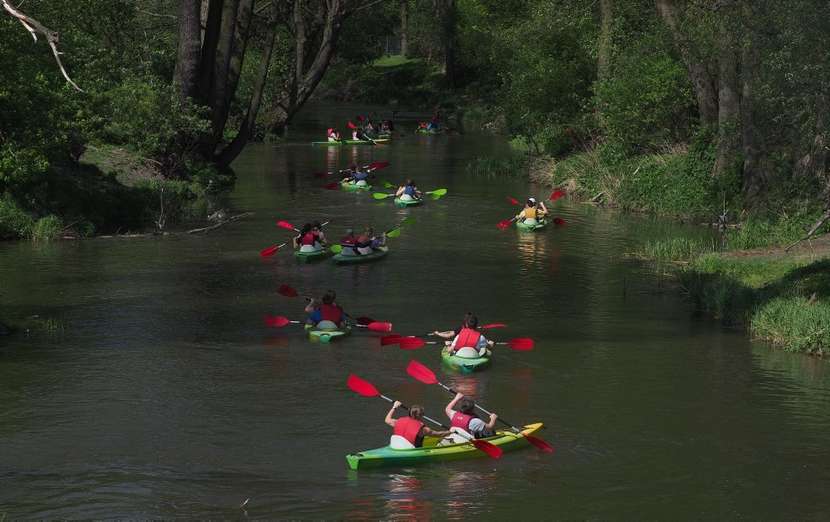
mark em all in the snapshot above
pixel 213 29
pixel 754 179
pixel 699 75
pixel 604 44
pixel 404 27
pixel 246 129
pixel 448 18
pixel 729 110
pixel 814 162
pixel 187 53
pixel 226 87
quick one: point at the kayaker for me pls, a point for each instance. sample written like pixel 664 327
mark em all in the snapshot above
pixel 532 213
pixel 411 427
pixel 306 241
pixel 408 191
pixel 465 417
pixel 319 235
pixel 367 242
pixel 470 337
pixel 450 334
pixel 333 135
pixel 386 127
pixel 326 313
pixel 369 130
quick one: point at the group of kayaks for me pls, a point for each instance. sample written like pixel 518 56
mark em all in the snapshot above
pixel 339 257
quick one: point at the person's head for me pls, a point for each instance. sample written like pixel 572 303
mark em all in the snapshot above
pixel 416 411
pixel 306 228
pixel 467 406
pixel 369 231
pixel 329 297
pixel 409 182
pixel 470 321
pixel 531 202
pixel 316 225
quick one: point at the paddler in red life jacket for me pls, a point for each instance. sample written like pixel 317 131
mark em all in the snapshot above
pixel 411 428
pixel 310 238
pixel 465 417
pixel 469 337
pixel 333 134
pixel 449 335
pixel 327 315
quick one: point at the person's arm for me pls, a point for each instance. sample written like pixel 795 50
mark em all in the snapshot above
pixel 389 420
pixel 492 421
pixel 309 308
pixel 543 207
pixel 436 433
pixel 399 192
pixel 446 334
pixel 449 409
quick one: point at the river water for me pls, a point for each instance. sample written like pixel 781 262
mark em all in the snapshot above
pixel 159 393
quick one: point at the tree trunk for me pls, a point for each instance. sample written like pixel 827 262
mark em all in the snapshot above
pixel 814 162
pixel 211 41
pixel 246 129
pixel 404 27
pixel 754 180
pixel 187 52
pixel 448 19
pixel 701 79
pixel 729 111
pixel 224 93
pixel 604 44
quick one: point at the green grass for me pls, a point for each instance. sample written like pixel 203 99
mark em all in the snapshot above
pixel 394 60
pixel 794 323
pixel 677 249
pixel 490 167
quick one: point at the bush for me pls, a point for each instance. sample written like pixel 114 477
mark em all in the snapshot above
pixel 795 324
pixel 15 223
pixel 47 228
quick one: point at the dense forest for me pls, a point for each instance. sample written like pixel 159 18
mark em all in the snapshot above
pixel 687 107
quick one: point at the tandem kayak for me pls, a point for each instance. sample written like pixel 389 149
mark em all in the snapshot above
pixel 408 202
pixel 528 227
pixel 465 364
pixel 310 257
pixel 378 253
pixel 326 336
pixel 431 452
pixel 350 142
pixel 348 186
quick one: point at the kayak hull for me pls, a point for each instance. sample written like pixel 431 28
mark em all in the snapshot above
pixel 351 187
pixel 325 336
pixel 407 202
pixel 381 252
pixel 465 364
pixel 386 456
pixel 524 227
pixel 311 257
pixel 429 132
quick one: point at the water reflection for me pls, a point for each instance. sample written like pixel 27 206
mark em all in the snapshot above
pixel 404 499
pixel 467 493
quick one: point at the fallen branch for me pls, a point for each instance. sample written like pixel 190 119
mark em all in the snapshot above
pixel 34 27
pixel 812 230
pixel 221 223
pixel 596 198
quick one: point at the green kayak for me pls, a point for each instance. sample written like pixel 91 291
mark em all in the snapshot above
pixel 380 252
pixel 408 202
pixel 348 186
pixel 465 364
pixel 326 336
pixel 310 257
pixel 431 131
pixel 350 142
pixel 527 227
pixel 431 452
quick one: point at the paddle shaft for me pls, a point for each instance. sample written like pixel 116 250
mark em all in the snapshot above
pixel 510 425
pixel 406 408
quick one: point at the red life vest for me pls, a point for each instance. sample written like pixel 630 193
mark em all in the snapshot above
pixel 308 239
pixel 408 428
pixel 331 313
pixel 331 131
pixel 461 420
pixel 467 338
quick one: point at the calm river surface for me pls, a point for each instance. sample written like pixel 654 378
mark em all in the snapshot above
pixel 163 395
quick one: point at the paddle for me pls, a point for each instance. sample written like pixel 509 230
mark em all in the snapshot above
pixel 334 185
pixel 513 201
pixel 556 194
pixel 437 193
pixel 278 321
pixel 376 326
pixel 421 373
pixel 367 389
pixel 519 344
pixel 287 291
pixel 271 250
pixel 396 338
pixel 505 223
pixel 288 226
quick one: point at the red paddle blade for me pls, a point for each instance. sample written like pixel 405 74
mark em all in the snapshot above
pixel 361 387
pixel 503 224
pixel 539 443
pixel 351 125
pixel 287 291
pixel 492 325
pixel 332 186
pixel 421 372
pixel 411 343
pixel 276 321
pixel 491 450
pixel 378 165
pixel 378 326
pixel 556 194
pixel 558 221
pixel 286 225
pixel 386 340
pixel 319 174
pixel 522 344
pixel 513 201
pixel 364 320
pixel 270 251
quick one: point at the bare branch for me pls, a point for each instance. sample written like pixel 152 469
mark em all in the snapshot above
pixel 34 27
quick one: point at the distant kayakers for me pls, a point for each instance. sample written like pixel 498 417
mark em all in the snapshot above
pixel 325 314
pixel 357 176
pixel 533 212
pixel 468 341
pixel 333 135
pixel 410 429
pixel 465 417
pixel 367 242
pixel 408 191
